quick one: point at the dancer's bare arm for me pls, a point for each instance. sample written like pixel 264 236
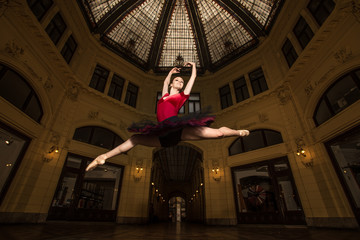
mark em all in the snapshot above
pixel 167 80
pixel 191 81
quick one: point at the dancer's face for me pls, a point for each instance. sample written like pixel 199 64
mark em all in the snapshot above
pixel 177 83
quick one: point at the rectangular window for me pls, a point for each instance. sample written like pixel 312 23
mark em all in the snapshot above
pixel 116 87
pixel 69 49
pixel 225 97
pixel 289 52
pixel 321 9
pixel 56 28
pixel 258 81
pixel 99 78
pixel 303 32
pixel 194 103
pixel 241 90
pixel 39 7
pixel 131 95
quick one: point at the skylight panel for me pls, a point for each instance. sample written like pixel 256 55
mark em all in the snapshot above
pixel 179 38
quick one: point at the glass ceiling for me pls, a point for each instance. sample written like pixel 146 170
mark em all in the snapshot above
pixel 153 33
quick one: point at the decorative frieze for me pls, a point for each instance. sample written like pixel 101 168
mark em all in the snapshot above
pixel 343 55
pixel 14 50
pixel 263 117
pixel 93 115
pixel 72 92
pixel 309 89
pixel 283 94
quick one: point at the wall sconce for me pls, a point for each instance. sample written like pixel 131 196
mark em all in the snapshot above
pixel 49 155
pixel 138 173
pixel 305 157
pixel 300 152
pixel 216 174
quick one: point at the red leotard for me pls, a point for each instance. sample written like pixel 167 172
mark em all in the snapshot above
pixel 170 106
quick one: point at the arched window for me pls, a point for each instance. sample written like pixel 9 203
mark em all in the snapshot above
pixel 15 89
pixel 257 139
pixel 97 136
pixel 340 95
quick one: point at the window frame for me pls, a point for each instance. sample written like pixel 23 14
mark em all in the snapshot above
pixel 54 30
pixel 101 78
pixel 303 32
pixel 131 96
pixel 258 80
pixel 240 89
pixel 69 49
pixel 117 87
pixel 290 53
pixel 226 98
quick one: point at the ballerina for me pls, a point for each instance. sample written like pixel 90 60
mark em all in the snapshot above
pixel 171 129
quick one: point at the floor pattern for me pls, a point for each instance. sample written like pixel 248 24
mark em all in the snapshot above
pixel 164 231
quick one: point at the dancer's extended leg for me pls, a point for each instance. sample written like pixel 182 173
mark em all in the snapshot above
pixel 197 133
pixel 138 139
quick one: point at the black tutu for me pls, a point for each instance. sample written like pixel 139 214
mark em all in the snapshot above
pixel 172 123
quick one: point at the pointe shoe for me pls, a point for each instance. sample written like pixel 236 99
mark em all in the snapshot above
pixel 244 133
pixel 100 160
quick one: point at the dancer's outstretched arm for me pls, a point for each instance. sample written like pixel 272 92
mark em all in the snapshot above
pixel 191 81
pixel 167 80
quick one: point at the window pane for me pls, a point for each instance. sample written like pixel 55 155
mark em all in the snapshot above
pixel 100 188
pixel 236 147
pixel 289 52
pixel 73 162
pixel 253 141
pixel 102 138
pixel 83 134
pixel 323 113
pixel 99 78
pixel 287 194
pixel 255 191
pixel 40 7
pixel 346 152
pixel 10 153
pixel 343 93
pixel 14 89
pixel 64 196
pixel 33 109
pixel 272 137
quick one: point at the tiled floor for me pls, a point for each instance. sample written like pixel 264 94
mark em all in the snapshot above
pixel 177 231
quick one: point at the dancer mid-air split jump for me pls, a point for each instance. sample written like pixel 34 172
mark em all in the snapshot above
pixel 171 129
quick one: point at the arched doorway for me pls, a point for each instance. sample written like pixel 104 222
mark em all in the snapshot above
pixel 177 176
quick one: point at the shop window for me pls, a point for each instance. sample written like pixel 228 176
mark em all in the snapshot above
pixel 40 7
pixel 225 97
pixel 303 32
pixel 56 28
pixel 131 95
pixel 97 136
pixel 289 52
pixel 15 89
pixel 89 196
pixel 321 9
pixel 99 78
pixel 241 89
pixel 69 49
pixel 12 149
pixel 339 96
pixel 345 151
pixel 257 139
pixel 266 193
pixel 116 87
pixel 258 81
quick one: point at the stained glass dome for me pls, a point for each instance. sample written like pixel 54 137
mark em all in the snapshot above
pixel 153 34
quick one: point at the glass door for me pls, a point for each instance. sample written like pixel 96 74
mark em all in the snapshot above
pixel 84 195
pixel 265 193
